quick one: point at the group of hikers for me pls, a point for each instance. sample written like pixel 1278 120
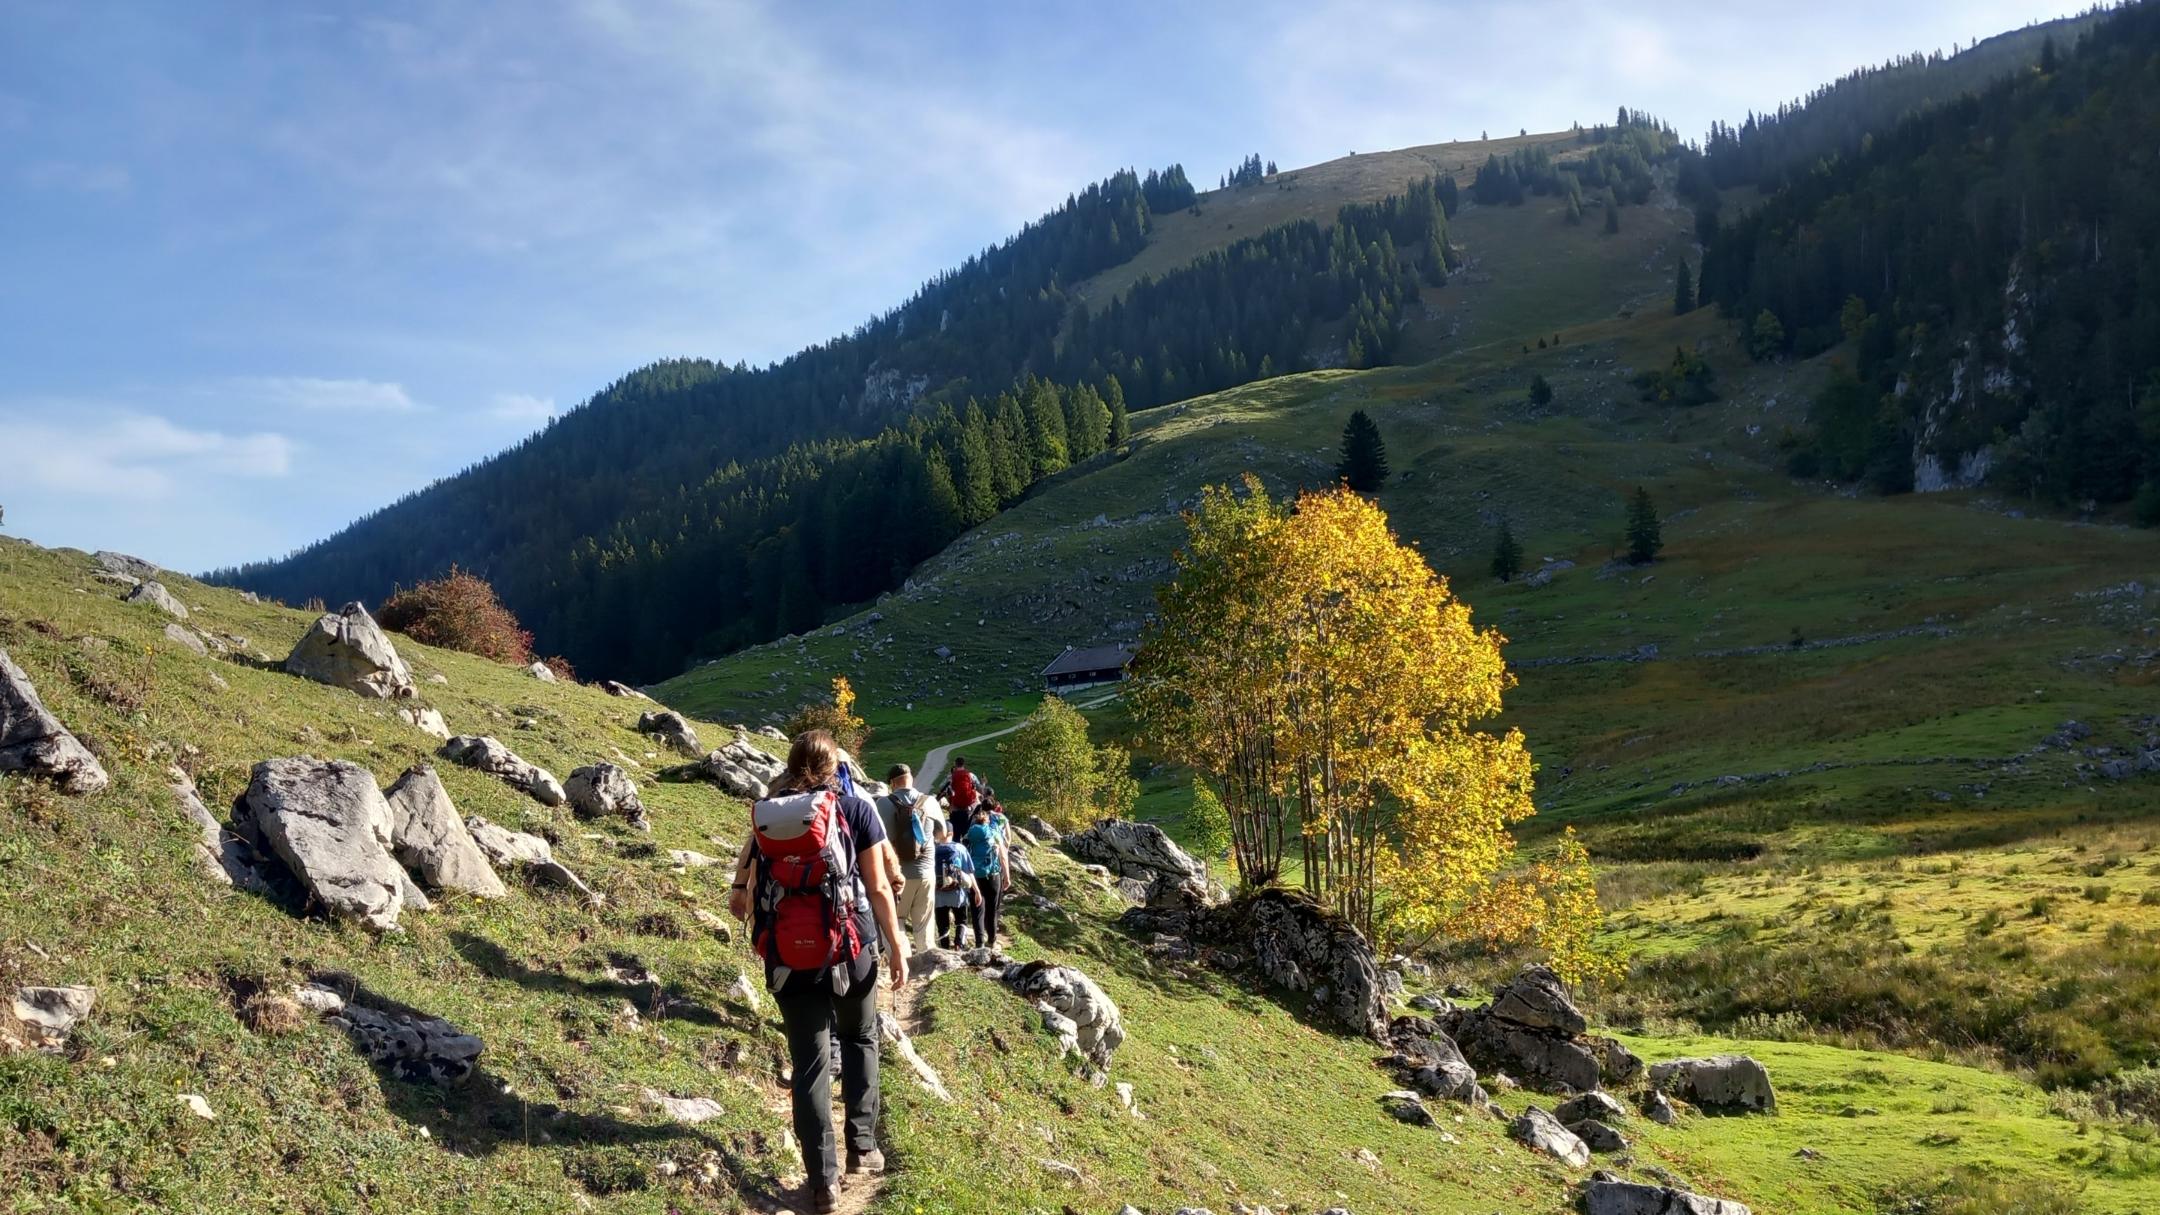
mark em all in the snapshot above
pixel 828 877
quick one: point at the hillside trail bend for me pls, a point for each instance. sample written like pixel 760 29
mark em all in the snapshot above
pixel 933 764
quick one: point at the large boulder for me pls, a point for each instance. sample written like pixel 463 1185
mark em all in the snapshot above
pixel 220 855
pixel 1542 1059
pixel 671 728
pixel 426 720
pixel 1427 1060
pixel 741 769
pixel 541 671
pixel 523 850
pixel 1734 1082
pixel 1541 1132
pixel 33 740
pixel 1536 999
pixel 1302 946
pixel 428 837
pixel 1097 1026
pixel 492 757
pixel 606 791
pixel 1596 1104
pixel 329 823
pixel 1134 850
pixel 615 687
pixel 1633 1198
pixel 347 649
pixel 155 594
pixel 121 563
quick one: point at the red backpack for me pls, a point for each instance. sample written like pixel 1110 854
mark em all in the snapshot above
pixel 963 787
pixel 807 888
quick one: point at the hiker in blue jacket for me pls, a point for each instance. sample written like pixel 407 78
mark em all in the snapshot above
pixel 985 845
pixel 956 903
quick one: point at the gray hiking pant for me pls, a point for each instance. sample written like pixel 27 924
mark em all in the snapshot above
pixel 813 1017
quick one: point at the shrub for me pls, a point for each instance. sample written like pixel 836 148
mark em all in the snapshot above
pixel 459 611
pixel 836 717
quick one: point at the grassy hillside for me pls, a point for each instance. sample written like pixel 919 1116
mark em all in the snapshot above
pixel 1243 1101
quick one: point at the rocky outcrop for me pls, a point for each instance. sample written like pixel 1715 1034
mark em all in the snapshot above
pixel 1429 1062
pixel 740 769
pixel 1541 1132
pixel 1303 947
pixel 1734 1082
pixel 1542 1049
pixel 617 688
pixel 606 791
pixel 347 649
pixel 47 1015
pixel 1597 1104
pixel 671 728
pixel 220 855
pixel 518 849
pixel 1040 827
pixel 495 759
pixel 1085 1014
pixel 411 1047
pixel 1631 1198
pixel 33 740
pixel 330 825
pixel 155 594
pixel 429 838
pixel 126 566
pixel 1134 850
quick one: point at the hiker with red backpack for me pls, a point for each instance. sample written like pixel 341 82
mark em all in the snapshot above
pixel 962 791
pixel 813 880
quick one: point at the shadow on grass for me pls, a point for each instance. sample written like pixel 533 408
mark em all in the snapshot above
pixel 481 1113
pixel 655 999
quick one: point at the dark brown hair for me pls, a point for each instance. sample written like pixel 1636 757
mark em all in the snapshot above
pixel 812 762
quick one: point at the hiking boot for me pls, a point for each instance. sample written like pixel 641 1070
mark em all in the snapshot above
pixel 824 1199
pixel 867 1163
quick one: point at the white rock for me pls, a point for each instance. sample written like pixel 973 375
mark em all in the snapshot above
pixel 198 1107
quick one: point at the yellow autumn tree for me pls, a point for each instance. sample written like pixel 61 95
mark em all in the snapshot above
pixel 836 717
pixel 1333 691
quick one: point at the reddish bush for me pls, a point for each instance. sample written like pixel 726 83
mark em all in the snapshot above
pixel 562 668
pixel 458 611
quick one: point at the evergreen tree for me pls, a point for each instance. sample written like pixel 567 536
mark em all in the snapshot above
pixel 1767 336
pixel 1644 536
pixel 1612 212
pixel 1046 438
pixel 1364 457
pixel 1683 292
pixel 1540 390
pixel 1120 420
pixel 1506 554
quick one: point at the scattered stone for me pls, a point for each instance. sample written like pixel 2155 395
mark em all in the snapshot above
pixel 672 728
pixel 121 563
pixel 1632 1198
pixel 1523 1032
pixel 1098 1027
pixel 542 672
pixel 1659 1109
pixel 428 721
pixel 198 1107
pixel 685 858
pixel 617 688
pixel 490 756
pixel 1541 1132
pixel 428 837
pixel 606 791
pixel 1133 849
pixel 179 635
pixel 714 924
pixel 1598 1135
pixel 347 649
pixel 741 769
pixel 1406 1106
pixel 517 848
pixel 155 594
pixel 330 825
pixel 50 1014
pixel 1616 1063
pixel 33 740
pixel 220 855
pixel 1431 1003
pixel 1598 1104
pixel 688 1110
pixel 1718 1082
pixel 438 677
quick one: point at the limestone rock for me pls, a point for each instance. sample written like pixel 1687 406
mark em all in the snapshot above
pixel 1544 1060
pixel 890 1031
pixel 1040 827
pixel 617 688
pixel 347 649
pixel 1304 947
pixel 1659 1109
pixel 155 594
pixel 495 759
pixel 1537 999
pixel 50 1014
pixel 741 769
pixel 1406 1106
pixel 542 672
pixel 33 740
pixel 1541 1132
pixel 424 1050
pixel 606 791
pixel 428 721
pixel 1134 850
pixel 1631 1198
pixel 1718 1082
pixel 329 823
pixel 689 1110
pixel 1098 1027
pixel 428 837
pixel 184 638
pixel 220 855
pixel 1616 1063
pixel 931 964
pixel 1598 1136
pixel 517 848
pixel 672 729
pixel 121 563
pixel 1596 1104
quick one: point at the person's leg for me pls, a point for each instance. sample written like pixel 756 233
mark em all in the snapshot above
pixel 808 1016
pixel 975 917
pixel 855 1022
pixel 993 900
pixel 945 927
pixel 915 913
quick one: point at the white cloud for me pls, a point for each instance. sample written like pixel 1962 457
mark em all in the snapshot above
pixel 75 449
pixel 74 177
pixel 521 407
pixel 324 395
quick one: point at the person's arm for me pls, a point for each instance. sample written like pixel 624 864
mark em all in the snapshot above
pixel 1004 865
pixel 890 858
pixel 738 899
pixel 883 907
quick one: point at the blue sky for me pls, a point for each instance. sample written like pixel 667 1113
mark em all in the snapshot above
pixel 265 267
